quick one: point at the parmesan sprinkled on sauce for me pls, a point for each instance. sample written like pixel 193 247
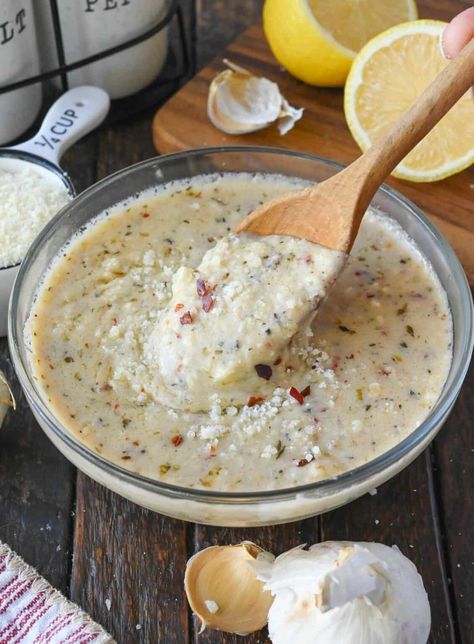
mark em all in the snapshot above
pixel 364 375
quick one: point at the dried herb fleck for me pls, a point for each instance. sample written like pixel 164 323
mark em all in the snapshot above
pixel 345 329
pixel 280 449
pixel 264 371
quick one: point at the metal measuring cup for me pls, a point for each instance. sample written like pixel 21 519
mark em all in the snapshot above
pixel 72 116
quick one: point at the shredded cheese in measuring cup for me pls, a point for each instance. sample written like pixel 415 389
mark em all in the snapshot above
pixel 28 201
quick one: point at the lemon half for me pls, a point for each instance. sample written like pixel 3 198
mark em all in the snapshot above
pixel 387 75
pixel 316 40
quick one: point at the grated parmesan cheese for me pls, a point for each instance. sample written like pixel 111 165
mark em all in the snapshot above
pixel 27 202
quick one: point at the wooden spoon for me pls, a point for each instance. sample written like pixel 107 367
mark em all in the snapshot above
pixel 330 212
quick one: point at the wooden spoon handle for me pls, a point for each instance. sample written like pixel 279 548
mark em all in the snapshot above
pixel 438 98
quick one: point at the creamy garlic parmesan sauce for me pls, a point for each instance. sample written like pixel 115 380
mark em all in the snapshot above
pixel 230 320
pixel 184 353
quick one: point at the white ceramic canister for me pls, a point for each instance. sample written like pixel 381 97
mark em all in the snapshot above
pixel 91 26
pixel 19 59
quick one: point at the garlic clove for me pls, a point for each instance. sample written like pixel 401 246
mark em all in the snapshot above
pixel 223 590
pixel 239 103
pixel 6 398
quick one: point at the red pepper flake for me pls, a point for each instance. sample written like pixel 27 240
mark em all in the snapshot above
pixel 114 321
pixel 204 291
pixel 255 400
pixel 146 215
pixel 308 259
pixel 186 318
pixel 117 405
pixel 201 287
pixel 384 372
pixel 297 395
pixel 125 458
pixel 105 387
pixel 178 307
pixel 277 361
pixel 264 371
pixel 177 440
pixel 207 302
pixel 301 463
pixel 306 391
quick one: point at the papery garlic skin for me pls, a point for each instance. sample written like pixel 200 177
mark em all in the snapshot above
pixel 239 103
pixel 6 398
pixel 347 593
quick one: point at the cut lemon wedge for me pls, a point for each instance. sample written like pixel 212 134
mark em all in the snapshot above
pixel 387 75
pixel 316 40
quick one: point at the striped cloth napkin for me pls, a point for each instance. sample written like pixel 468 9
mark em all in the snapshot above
pixel 33 612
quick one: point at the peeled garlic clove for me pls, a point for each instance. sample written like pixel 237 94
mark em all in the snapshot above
pixel 239 102
pixel 223 590
pixel 6 397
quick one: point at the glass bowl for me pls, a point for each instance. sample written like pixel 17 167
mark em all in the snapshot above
pixel 251 508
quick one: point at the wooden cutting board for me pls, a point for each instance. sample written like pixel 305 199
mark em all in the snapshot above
pixel 182 123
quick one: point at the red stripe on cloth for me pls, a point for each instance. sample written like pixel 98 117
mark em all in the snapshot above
pixel 73 637
pixel 87 638
pixel 12 629
pixel 79 637
pixel 23 587
pixel 65 620
pixel 51 628
pixel 6 590
pixel 30 621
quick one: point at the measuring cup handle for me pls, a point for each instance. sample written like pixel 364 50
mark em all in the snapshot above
pixel 72 116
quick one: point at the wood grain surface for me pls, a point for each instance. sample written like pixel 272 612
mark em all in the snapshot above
pixel 125 565
pixel 182 123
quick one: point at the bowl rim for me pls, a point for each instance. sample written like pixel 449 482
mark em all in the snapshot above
pixel 336 483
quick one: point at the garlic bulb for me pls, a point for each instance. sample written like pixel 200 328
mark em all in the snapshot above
pixel 6 398
pixel 347 593
pixel 240 102
pixel 223 591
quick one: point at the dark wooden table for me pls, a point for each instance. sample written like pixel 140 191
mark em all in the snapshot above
pixel 124 565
